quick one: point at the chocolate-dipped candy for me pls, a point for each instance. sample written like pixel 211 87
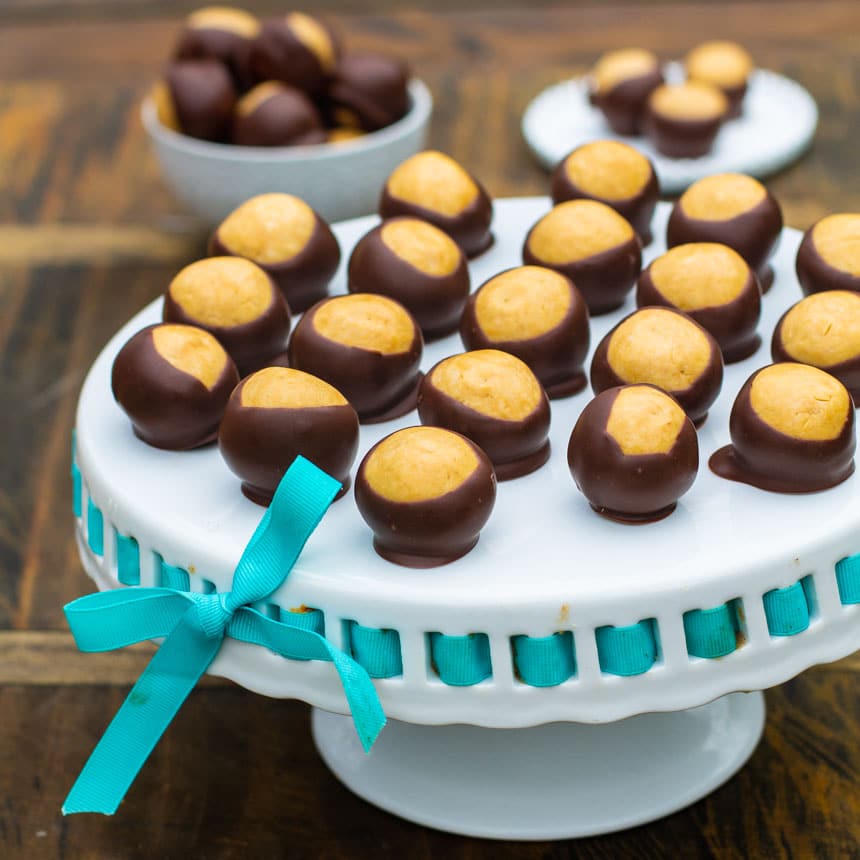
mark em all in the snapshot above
pixel 432 186
pixel 619 86
pixel 713 285
pixel 368 91
pixel 829 254
pixel 235 300
pixel 220 33
pixel 666 348
pixel 368 347
pixel 277 414
pixel 723 64
pixel 792 431
pixel 682 120
pixel 285 238
pixel 633 453
pixel 615 174
pixel 537 315
pixel 297 49
pixel 419 266
pixel 591 244
pixel 823 330
pixel 426 493
pixel 493 398
pixel 196 98
pixel 732 209
pixel 273 114
pixel 173 382
pixel 342 134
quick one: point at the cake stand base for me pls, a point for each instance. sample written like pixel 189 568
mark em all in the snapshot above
pixel 556 781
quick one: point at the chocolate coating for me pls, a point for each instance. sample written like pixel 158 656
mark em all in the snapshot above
pixel 251 344
pixel 259 444
pixel 515 447
pixel 368 91
pixel 168 407
pixel 632 488
pixel 695 399
pixel 733 324
pixel 286 117
pixel 556 357
pixel 681 138
pixel 624 104
pixel 436 301
pixel 771 460
pixel 380 386
pixel 203 98
pixel 429 532
pixel 637 209
pixel 753 234
pixel 816 274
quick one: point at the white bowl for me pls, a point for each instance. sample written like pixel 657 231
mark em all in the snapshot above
pixel 338 180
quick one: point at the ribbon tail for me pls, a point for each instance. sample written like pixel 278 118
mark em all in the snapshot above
pixel 145 714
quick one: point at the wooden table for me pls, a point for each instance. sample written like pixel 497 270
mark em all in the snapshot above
pixel 88 234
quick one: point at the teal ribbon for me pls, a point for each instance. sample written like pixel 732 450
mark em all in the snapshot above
pixel 195 626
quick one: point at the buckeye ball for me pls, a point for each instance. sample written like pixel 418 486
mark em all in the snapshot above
pixel 537 315
pixel 619 86
pixel 196 98
pixel 732 209
pixel 419 266
pixel 591 244
pixel 792 431
pixel 829 254
pixel 432 186
pixel 278 413
pixel 366 346
pixel 722 64
pixel 823 330
pixel 666 348
pixel 236 301
pixel 173 382
pixel 495 400
pixel 426 493
pixel 615 174
pixel 273 114
pixel 368 91
pixel 633 453
pixel 285 238
pixel 713 285
pixel 682 120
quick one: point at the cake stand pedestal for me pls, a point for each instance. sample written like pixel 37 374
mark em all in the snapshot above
pixel 556 781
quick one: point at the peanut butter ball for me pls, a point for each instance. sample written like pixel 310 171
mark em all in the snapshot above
pixel 829 255
pixel 682 120
pixel 278 413
pixel 495 400
pixel 173 382
pixel 591 244
pixel 725 65
pixel 665 348
pixel 633 453
pixel 792 431
pixel 432 186
pixel 285 238
pixel 368 91
pixel 273 114
pixel 620 84
pixel 196 98
pixel 426 493
pixel 537 315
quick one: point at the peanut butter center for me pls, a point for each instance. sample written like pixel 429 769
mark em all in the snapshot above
pixel 165 109
pixel 314 37
pixel 427 248
pixel 286 388
pixel 837 240
pixel 661 347
pixel 643 420
pixel 491 382
pixel 608 169
pixel 191 350
pixel 617 66
pixel 342 134
pixel 823 329
pixel 257 96
pixel 224 18
pixel 724 64
pixel 700 275
pixel 722 196
pixel 522 303
pixel 693 100
pixel 366 321
pixel 433 181
pixel 801 401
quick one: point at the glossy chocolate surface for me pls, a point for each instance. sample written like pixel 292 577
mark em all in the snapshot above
pixel 379 386
pixel 431 532
pixel 203 96
pixel 816 274
pixel 624 104
pixel 286 118
pixel 215 43
pixel 168 408
pixel 771 460
pixel 695 400
pixel 681 138
pixel 368 91
pixel 435 301
pixel 632 488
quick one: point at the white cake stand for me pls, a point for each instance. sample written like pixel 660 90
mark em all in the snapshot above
pixel 596 753
pixel 777 127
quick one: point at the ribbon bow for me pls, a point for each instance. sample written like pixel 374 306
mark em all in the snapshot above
pixel 195 626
